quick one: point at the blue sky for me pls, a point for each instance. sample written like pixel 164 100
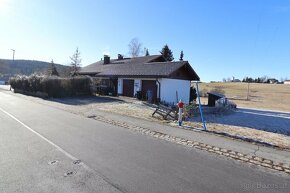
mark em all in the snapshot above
pixel 220 38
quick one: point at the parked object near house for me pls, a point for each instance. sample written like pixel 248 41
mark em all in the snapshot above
pixel 213 97
pixel 148 77
pixel 287 82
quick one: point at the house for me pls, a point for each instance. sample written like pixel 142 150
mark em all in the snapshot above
pixel 235 80
pixel 286 81
pixel 148 75
pixel 272 81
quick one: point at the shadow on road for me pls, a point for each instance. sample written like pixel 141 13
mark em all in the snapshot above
pixel 86 100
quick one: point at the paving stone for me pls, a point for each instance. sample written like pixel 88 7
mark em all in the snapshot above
pixel 240 154
pixel 224 150
pixel 234 156
pixel 258 159
pixel 216 148
pixel 244 159
pixel 209 146
pixel 267 161
pixel 266 165
pixel 202 145
pixel 219 152
pixel 177 139
pixel 254 162
pixel 232 152
pixel 287 166
pixel 278 168
pixel 287 171
pixel 226 154
pixel 196 143
pixel 249 156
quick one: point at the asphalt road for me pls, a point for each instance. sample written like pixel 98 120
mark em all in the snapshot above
pixel 113 159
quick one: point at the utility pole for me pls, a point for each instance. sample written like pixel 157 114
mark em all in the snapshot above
pixel 13 59
pixel 13 53
pixel 248 90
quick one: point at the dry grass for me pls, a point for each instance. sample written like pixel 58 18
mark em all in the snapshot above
pixel 263 96
pixel 275 139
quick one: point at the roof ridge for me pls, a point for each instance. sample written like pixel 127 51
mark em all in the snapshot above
pixel 184 61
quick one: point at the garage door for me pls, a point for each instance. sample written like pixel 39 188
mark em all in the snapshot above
pixel 149 85
pixel 128 88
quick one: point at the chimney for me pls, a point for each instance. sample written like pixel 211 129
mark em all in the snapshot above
pixel 120 57
pixel 106 59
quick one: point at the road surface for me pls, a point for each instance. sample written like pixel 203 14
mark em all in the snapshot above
pixel 40 144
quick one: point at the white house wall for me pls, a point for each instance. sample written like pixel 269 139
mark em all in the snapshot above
pixel 137 85
pixel 120 86
pixel 169 87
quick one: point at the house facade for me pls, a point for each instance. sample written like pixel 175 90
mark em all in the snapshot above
pixel 148 76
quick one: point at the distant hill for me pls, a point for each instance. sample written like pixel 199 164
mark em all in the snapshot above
pixel 28 67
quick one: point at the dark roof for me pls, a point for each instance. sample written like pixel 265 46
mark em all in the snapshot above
pixel 216 94
pixel 146 66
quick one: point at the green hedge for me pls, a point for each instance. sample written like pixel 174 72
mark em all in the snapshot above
pixel 52 85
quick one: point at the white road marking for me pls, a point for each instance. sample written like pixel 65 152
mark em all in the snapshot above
pixel 44 138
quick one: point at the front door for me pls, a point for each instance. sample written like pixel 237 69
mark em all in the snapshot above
pixel 128 87
pixel 149 85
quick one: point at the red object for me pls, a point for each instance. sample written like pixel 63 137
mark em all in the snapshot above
pixel 180 105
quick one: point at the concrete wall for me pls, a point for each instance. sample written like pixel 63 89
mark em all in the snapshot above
pixel 169 87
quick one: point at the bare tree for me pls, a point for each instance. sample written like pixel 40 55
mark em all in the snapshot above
pixel 75 61
pixel 264 79
pixel 135 47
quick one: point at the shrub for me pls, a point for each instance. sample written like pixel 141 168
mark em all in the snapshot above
pixel 52 85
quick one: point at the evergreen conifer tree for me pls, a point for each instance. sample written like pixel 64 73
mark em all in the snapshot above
pixel 167 53
pixel 181 55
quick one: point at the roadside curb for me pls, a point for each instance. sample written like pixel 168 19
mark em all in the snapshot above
pixel 255 160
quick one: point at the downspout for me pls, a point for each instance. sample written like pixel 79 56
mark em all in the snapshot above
pixel 159 87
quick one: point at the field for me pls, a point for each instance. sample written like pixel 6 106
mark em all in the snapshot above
pixel 261 96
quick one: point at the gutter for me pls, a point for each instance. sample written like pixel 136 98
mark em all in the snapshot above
pixel 159 87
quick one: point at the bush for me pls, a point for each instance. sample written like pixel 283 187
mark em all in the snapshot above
pixel 52 85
